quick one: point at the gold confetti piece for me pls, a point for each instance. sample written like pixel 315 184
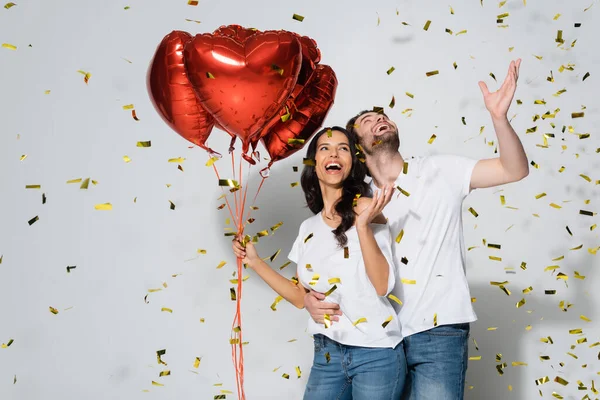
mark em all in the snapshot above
pixel 387 321
pixel 560 380
pixel 390 70
pixel 221 264
pixel 331 290
pixel 577 115
pixel 232 294
pixel 228 182
pixel 202 320
pixel 359 321
pixel 85 184
pixel 493 258
pixel 346 252
pixel 431 139
pixel 4 346
pixel 147 143
pixel 53 310
pixel 298 372
pixel 586 319
pixel 432 73
pixel 275 302
pixel 409 281
pixel 274 256
pixel 211 161
pixel 176 160
pixel 285 265
pixel 587 74
pixel 588 213
pixel 435 319
pixel 528 290
pixel 9 46
pixel 392 102
pixel 297 17
pixel 541 381
pixel 577 248
pixel 528 328
pixel 400 235
pixel 404 192
pixel 577 276
pixel 427 24
pixel 492 328
pixel 331 281
pixel 474 358
pixel 553 205
pixel 472 211
pixel 165 309
pixel 521 303
pixel 461 32
pixel 519 364
pixel 449 31
pixel 157 384
pixel 327 321
pixel 164 373
pixel 575 331
pixel 86 76
pixel 394 298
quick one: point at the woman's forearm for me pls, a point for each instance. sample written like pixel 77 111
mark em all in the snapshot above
pixel 284 287
pixel 376 265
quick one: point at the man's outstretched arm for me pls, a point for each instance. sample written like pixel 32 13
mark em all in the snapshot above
pixel 512 165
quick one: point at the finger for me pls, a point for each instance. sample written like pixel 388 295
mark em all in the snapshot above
pixel 484 88
pixel 335 319
pixel 327 308
pixel 316 295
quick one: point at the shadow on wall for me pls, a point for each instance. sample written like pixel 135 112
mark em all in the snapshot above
pixel 514 343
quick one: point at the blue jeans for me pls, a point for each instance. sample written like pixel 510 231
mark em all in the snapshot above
pixel 355 373
pixel 437 363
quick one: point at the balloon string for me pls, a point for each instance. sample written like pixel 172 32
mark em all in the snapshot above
pixel 255 196
pixel 237 344
pixel 225 195
pixel 234 195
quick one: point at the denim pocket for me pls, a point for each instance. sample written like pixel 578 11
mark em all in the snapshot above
pixel 319 343
pixel 451 330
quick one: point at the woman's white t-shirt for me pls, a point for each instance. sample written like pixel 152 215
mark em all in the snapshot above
pixel 368 320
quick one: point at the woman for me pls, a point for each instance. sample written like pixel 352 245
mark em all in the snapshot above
pixel 344 251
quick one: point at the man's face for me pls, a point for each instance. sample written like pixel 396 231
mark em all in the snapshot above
pixel 377 133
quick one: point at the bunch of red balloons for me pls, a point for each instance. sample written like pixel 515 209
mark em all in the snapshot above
pixel 254 85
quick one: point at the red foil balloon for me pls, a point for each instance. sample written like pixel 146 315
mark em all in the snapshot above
pixel 308 111
pixel 243 81
pixel 173 95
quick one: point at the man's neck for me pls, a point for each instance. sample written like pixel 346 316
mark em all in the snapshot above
pixel 385 167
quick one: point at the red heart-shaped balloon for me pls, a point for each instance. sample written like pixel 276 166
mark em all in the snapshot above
pixel 173 95
pixel 243 83
pixel 308 111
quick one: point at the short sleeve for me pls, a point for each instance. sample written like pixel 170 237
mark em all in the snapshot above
pixel 296 251
pixel 383 237
pixel 457 172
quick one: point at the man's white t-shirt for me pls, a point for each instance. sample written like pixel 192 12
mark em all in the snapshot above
pixel 425 219
pixel 322 264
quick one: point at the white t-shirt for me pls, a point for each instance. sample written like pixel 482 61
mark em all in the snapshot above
pixel 322 264
pixel 430 257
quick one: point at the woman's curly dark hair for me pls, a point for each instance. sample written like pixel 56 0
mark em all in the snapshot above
pixel 353 185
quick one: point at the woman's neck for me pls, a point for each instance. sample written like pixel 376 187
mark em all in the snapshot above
pixel 331 195
pixel 385 167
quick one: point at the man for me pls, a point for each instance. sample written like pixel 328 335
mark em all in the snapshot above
pixel 426 219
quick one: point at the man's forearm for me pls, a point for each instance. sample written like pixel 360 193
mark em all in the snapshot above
pixel 512 154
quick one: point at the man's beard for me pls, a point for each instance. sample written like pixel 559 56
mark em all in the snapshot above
pixel 388 143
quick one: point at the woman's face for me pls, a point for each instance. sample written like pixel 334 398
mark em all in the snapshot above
pixel 333 159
